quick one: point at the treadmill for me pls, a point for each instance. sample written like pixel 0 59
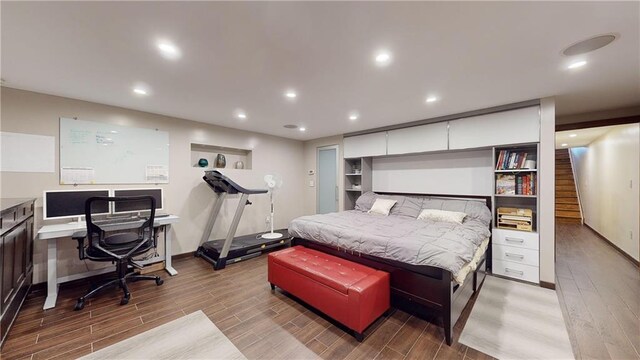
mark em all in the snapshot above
pixel 232 249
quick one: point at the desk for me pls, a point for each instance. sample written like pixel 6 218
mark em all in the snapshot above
pixel 52 233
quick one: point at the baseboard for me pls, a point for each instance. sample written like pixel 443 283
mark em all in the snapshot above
pixel 547 285
pixel 183 255
pixel 634 261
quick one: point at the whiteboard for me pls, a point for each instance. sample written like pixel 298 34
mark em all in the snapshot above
pixel 27 153
pixel 101 153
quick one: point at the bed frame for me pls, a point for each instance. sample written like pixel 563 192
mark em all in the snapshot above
pixel 421 289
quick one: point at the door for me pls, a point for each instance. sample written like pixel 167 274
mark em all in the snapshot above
pixel 327 194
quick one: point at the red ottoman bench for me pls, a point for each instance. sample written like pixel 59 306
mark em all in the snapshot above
pixel 350 293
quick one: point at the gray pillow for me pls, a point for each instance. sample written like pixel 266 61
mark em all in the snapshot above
pixel 474 209
pixel 405 205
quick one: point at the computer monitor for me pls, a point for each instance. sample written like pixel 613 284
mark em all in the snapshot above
pixel 61 204
pixel 136 206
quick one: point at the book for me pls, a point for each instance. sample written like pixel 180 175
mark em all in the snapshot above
pixel 506 184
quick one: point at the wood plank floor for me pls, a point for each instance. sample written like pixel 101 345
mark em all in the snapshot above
pixel 598 290
pixel 238 299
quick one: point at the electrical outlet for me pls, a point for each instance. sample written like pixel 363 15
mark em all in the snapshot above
pixel 312 183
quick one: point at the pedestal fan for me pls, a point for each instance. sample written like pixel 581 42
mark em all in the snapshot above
pixel 273 182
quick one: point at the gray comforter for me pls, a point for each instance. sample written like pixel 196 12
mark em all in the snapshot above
pixel 400 236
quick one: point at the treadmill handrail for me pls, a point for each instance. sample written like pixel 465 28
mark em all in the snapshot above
pixel 220 183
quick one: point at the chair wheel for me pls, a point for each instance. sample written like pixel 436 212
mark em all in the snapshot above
pixel 79 305
pixel 124 301
pixel 159 281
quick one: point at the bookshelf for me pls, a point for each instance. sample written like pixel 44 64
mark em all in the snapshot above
pixel 357 179
pixel 515 249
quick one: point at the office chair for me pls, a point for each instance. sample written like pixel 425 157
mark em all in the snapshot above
pixel 118 241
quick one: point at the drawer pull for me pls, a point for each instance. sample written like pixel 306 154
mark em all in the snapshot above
pixel 517 256
pixel 521 273
pixel 515 240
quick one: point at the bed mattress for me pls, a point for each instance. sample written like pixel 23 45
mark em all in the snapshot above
pixel 450 246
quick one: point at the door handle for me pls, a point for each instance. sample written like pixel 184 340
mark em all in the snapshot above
pixel 516 240
pixel 514 271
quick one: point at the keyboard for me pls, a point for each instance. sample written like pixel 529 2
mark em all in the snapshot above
pixel 114 221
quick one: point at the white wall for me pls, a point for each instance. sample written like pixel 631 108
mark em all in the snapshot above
pixel 547 190
pixel 453 173
pixel 186 195
pixel 607 175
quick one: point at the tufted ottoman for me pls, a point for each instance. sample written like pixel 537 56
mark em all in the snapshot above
pixel 350 293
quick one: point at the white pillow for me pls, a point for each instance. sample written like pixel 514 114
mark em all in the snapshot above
pixel 442 215
pixel 382 206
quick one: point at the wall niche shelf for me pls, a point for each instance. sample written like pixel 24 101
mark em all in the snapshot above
pixel 210 152
pixel 357 171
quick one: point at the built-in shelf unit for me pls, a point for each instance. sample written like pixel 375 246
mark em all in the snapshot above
pixel 357 179
pixel 515 249
pixel 210 152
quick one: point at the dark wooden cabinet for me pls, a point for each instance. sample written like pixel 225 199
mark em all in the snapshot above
pixel 16 254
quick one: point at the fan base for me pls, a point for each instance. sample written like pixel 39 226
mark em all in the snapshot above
pixel 271 236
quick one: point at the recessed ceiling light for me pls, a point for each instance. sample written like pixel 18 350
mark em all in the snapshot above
pixel 353 116
pixel 168 50
pixel 431 99
pixel 303 129
pixel 577 64
pixel 241 115
pixel 290 94
pixel 573 135
pixel 565 145
pixel 140 91
pixel 383 58
pixel 291 126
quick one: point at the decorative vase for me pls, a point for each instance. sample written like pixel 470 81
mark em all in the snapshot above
pixel 221 161
pixel 239 165
pixel 203 163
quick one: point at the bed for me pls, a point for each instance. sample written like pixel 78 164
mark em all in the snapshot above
pixel 435 267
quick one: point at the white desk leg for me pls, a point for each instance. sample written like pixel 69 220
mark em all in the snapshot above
pixel 52 274
pixel 167 251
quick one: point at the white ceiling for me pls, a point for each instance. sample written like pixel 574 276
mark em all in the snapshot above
pixel 583 137
pixel 244 55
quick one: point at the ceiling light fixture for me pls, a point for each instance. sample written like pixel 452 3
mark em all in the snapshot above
pixel 431 99
pixel 168 50
pixel 290 94
pixel 577 64
pixel 241 115
pixel 353 117
pixel 290 126
pixel 140 91
pixel 573 135
pixel 303 129
pixel 383 58
pixel 565 145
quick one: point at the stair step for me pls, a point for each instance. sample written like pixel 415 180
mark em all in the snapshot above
pixel 564 220
pixel 565 188
pixel 568 214
pixel 567 207
pixel 567 200
pixel 565 182
pixel 566 194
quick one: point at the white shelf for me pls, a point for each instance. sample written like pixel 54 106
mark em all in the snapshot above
pixel 353 174
pixel 355 190
pixel 515 196
pixel 516 170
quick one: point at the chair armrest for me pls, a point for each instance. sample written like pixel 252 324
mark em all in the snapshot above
pixel 80 236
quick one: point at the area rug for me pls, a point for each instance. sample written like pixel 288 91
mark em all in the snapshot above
pixel 192 336
pixel 511 320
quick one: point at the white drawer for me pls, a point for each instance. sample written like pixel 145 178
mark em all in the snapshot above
pixel 515 270
pixel 515 254
pixel 527 240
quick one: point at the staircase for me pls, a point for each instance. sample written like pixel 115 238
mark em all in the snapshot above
pixel 567 206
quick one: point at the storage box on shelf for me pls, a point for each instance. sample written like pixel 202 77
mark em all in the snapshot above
pixel 515 249
pixel 357 180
